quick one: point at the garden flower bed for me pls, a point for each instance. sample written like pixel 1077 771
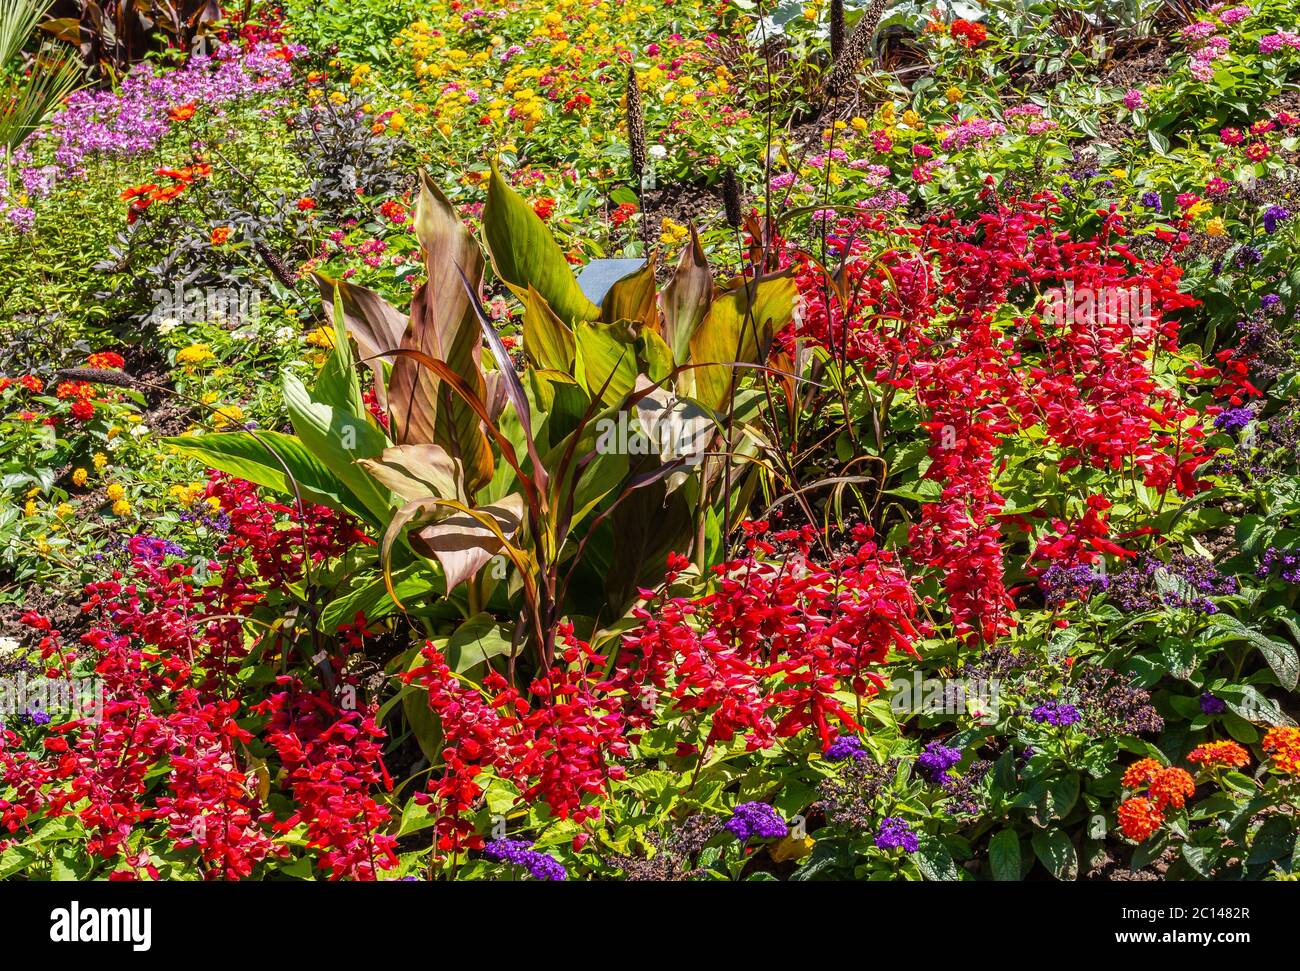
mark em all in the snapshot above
pixel 673 440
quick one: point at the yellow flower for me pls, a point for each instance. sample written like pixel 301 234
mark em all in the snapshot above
pixel 396 120
pixel 910 118
pixel 63 510
pixel 953 94
pixel 1216 227
pixel 121 508
pixel 229 415
pixel 1198 208
pixel 42 546
pixel 859 123
pixel 79 477
pixel 30 508
pixel 114 491
pixel 194 354
pixel 321 337
pixel 99 460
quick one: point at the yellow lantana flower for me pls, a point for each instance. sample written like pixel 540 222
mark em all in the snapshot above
pixel 194 354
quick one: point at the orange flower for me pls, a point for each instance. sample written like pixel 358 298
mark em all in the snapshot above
pixel 1171 787
pixel 136 191
pixel 1284 745
pixel 544 207
pixel 306 203
pixel 1139 818
pixel 167 194
pixel 181 112
pixel 1228 754
pixel 1140 773
pixel 220 234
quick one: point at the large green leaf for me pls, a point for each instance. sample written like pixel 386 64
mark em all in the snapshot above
pixel 548 341
pixel 1004 855
pixel 1280 655
pixel 477 640
pixel 338 439
pixel 248 455
pixel 336 383
pixel 739 327
pixel 606 360
pixel 632 298
pixel 1055 851
pixel 524 254
pixel 371 598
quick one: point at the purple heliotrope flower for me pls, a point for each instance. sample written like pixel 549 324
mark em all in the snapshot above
pixel 1056 714
pixel 1061 583
pixel 1151 200
pixel 540 866
pixel 1233 419
pixel 155 549
pixel 846 747
pixel 936 760
pixel 1274 216
pixel 1211 705
pixel 751 819
pixel 1285 561
pixel 1248 255
pixel 894 833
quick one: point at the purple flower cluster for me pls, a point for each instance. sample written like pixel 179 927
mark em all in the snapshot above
pixel 155 549
pixel 1054 713
pixel 220 523
pixel 540 866
pixel 1185 581
pixel 936 760
pixel 1274 216
pixel 1063 583
pixel 894 833
pixel 1233 419
pixel 846 747
pixel 1285 561
pixel 752 819
pixel 1152 201
pixel 1211 705
pixel 134 119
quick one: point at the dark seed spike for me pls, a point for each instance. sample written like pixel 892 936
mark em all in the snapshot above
pixel 837 29
pixel 731 199
pixel 636 128
pixel 94 375
pixel 276 265
pixel 845 67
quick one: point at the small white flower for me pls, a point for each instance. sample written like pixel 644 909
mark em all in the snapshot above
pixel 658 151
pixel 167 325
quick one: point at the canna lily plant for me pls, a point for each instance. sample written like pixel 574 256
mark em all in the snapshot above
pixel 541 492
